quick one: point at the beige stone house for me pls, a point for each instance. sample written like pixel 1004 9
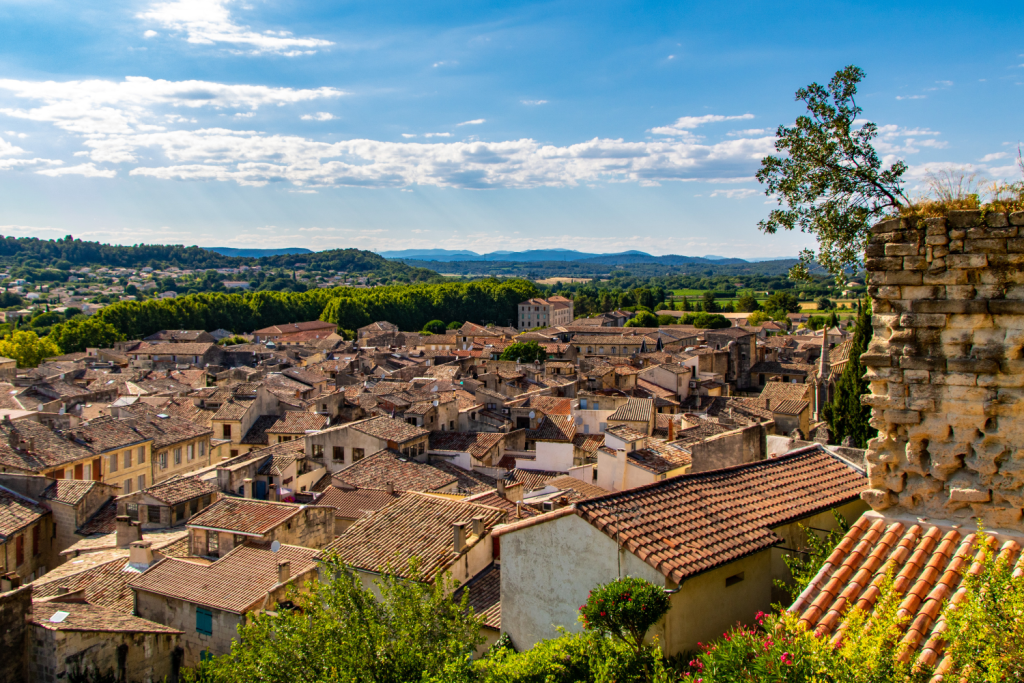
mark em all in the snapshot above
pixel 169 503
pixel 208 602
pixel 555 310
pixel 27 536
pixel 341 446
pixel 231 522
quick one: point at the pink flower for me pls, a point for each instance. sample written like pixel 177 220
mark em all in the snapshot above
pixel 786 659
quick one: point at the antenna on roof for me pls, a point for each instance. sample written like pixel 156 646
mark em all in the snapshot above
pixel 275 546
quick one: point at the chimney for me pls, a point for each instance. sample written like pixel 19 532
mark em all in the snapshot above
pixel 519 509
pixel 478 526
pixel 501 488
pixel 284 571
pixel 126 533
pixel 460 536
pixel 10 581
pixel 390 488
pixel 140 554
pixel 671 429
pixel 514 492
pixel 767 404
pixel 247 488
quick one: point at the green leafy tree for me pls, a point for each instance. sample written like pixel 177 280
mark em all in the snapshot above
pixel 667 320
pixel 804 567
pixel 79 334
pixel 524 352
pixel 782 302
pixel 454 325
pixel 824 304
pixel 27 348
pixel 625 608
pixel 709 302
pixel 747 302
pixel 845 414
pixel 340 632
pixel 758 318
pixel 708 321
pixel 435 327
pixel 829 177
pixel 643 319
pixel 686 305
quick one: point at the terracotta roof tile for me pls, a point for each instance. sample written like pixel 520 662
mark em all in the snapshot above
pixel 418 525
pixel 180 489
pixel 670 529
pixel 485 596
pixel 389 428
pixel 356 503
pixel 553 428
pixel 87 617
pixel 403 472
pixel 234 583
pixel 634 410
pixel 244 516
pixel 16 513
pixel 475 443
pixel 69 491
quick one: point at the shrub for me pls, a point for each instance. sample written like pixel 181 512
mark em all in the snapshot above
pixel 625 609
pixel 435 327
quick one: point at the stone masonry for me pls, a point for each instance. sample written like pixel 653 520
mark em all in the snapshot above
pixel 946 367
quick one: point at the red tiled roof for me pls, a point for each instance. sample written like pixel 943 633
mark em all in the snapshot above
pixel 581 490
pixel 485 596
pixel 86 617
pixel 475 443
pixel 297 422
pixel 690 524
pixel 69 491
pixel 928 563
pixel 180 489
pixel 553 428
pixel 356 503
pixel 634 410
pixel 389 429
pixel 244 516
pixel 233 583
pixel 418 525
pixel 16 513
pixel 404 473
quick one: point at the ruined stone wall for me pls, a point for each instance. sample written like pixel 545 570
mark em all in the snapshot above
pixel 946 367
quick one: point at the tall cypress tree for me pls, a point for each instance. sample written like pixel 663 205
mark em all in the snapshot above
pixel 845 414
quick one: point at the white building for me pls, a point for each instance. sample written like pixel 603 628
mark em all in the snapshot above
pixel 556 310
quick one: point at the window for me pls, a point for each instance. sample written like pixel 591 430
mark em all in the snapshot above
pixel 733 580
pixel 212 544
pixel 202 449
pixel 140 454
pixel 233 452
pixel 19 551
pixel 142 481
pixel 227 431
pixel 177 456
pixel 179 512
pixel 204 501
pixel 318 450
pixel 126 487
pixel 153 513
pixel 113 462
pixel 204 622
pixel 603 426
pixel 239 540
pixel 191 452
pixel 35 540
pixel 586 429
pixel 357 454
pixel 132 510
pixel 451 424
pixel 163 460
pixel 127 459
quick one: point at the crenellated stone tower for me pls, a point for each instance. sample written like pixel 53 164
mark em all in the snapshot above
pixel 946 367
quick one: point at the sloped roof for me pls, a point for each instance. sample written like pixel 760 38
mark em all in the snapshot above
pixel 693 523
pixel 233 583
pixel 418 525
pixel 403 472
pixel 356 503
pixel 88 617
pixel 389 429
pixel 68 491
pixel 485 596
pixel 298 422
pixel 634 410
pixel 16 513
pixel 180 489
pixel 475 443
pixel 244 515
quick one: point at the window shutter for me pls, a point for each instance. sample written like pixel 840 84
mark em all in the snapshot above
pixel 204 621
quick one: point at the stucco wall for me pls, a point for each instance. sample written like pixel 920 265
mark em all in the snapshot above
pixel 737 447
pixel 547 571
pixel 148 656
pixel 181 615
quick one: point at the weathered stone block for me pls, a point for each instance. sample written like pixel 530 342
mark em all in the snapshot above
pixel 992 232
pixel 878 499
pixel 898 277
pixel 916 376
pixel 887 226
pixel 911 292
pixel 959 292
pixel 915 263
pixel 1015 245
pixel 966 495
pixel 959 307
pixel 922 363
pixel 935 226
pixel 883 402
pixel 887 292
pixel 966 261
pixel 937 240
pixel 996 219
pixel 901 249
pixel 984 246
pixel 902 417
pixel 946 277
pixel 876 264
pixel 1016 218
pixel 974 365
pixel 1006 307
pixel 963 219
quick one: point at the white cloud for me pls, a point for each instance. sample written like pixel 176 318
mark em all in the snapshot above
pixel 685 124
pixel 533 103
pixel 209 22
pixel 7 149
pixel 749 132
pixel 408 135
pixel 474 122
pixel 245 115
pixel 911 97
pixel 736 193
pixel 127 122
pixel 150 34
pixel 994 156
pixel 88 170
pixel 894 140
pixel 319 116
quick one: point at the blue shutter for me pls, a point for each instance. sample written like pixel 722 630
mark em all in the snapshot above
pixel 204 621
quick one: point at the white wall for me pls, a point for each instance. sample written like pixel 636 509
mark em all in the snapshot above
pixel 551 456
pixel 548 569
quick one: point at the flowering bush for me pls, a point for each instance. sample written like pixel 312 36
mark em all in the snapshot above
pixel 625 609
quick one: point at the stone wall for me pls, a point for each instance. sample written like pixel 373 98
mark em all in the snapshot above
pixel 15 607
pixel 946 367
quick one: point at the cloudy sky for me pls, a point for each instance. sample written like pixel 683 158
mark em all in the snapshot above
pixel 468 125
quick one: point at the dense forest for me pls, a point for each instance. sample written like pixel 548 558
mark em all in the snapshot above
pixel 595 268
pixel 67 252
pixel 408 306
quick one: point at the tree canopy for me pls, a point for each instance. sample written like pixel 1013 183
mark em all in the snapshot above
pixel 524 352
pixel 829 177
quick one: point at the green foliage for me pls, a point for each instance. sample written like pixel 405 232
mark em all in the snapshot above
pixel 824 304
pixel 27 348
pixel 435 327
pixel 845 414
pixel 625 609
pixel 78 334
pixel 666 320
pixel 233 340
pixel 643 319
pixel 706 321
pixel 10 300
pixel 782 302
pixel 454 325
pixel 747 303
pixel 524 352
pixel 829 177
pixel 341 633
pixel 758 318
pixel 709 302
pixel 803 568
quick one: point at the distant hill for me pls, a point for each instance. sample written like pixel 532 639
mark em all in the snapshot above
pixel 257 253
pixel 450 255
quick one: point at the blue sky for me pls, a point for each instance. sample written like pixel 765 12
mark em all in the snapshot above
pixel 383 125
